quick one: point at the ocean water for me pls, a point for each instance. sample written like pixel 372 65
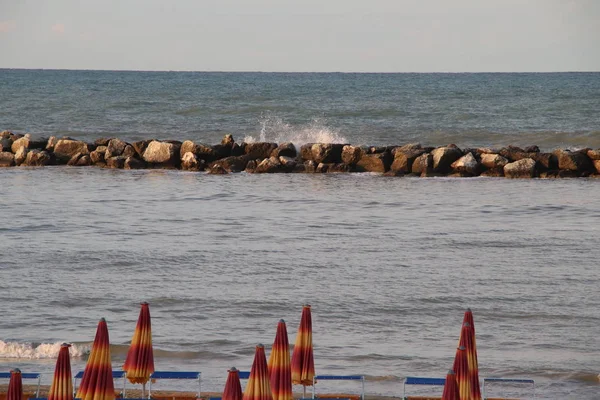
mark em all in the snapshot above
pixel 388 264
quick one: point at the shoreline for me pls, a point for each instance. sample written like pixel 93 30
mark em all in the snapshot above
pixel 413 160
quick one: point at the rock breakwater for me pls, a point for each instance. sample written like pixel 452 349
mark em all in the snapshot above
pixel 230 156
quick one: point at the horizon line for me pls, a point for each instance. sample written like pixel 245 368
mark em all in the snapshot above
pixel 300 72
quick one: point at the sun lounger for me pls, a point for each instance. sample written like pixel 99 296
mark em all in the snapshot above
pixel 156 375
pixel 509 381
pixel 115 375
pixel 318 378
pixel 26 375
pixel 421 381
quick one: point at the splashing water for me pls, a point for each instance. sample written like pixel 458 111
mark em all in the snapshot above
pixel 275 129
pixel 39 351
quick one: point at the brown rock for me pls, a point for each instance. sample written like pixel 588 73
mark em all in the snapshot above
pixel 525 168
pixel 73 161
pixel 102 141
pixel 7 159
pixel 97 156
pixel 37 158
pixel 67 148
pixel 310 167
pixel 531 149
pixel 288 163
pixel 327 152
pixel 285 150
pixel 269 165
pixel 217 170
pixel 594 154
pixel 162 154
pixel 259 150
pixel 467 165
pixel 422 164
pixel 493 172
pixel 115 148
pixel 5 144
pixel 379 162
pixel 574 161
pixel 596 164
pixel 232 164
pixel 189 161
pixel 404 159
pixel 84 161
pixel 20 143
pixel 493 161
pixel 134 163
pixel 351 155
pixel 140 147
pixel 251 166
pixel 443 157
pixel 115 162
pixel 20 155
pixel 52 140
pixel 228 140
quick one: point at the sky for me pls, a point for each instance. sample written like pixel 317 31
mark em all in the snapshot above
pixel 302 35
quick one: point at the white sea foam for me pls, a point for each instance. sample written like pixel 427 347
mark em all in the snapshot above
pixel 38 351
pixel 275 129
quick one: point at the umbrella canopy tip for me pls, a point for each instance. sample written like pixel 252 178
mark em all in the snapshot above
pixel 469 309
pixel 232 369
pixel 102 319
pixel 16 371
pixel 306 305
pixel 260 345
pixel 144 303
pixel 65 344
pixel 282 321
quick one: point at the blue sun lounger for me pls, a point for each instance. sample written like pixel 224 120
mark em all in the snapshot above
pixel 115 374
pixel 360 378
pixel 26 375
pixel 175 375
pixel 508 380
pixel 416 380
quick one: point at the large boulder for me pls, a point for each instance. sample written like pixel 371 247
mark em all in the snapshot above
pixel 269 165
pixel 259 150
pixel 288 163
pixel 52 140
pixel 28 143
pixel 404 157
pixel 217 170
pixel 140 147
pixel 115 148
pixel 322 152
pixel 285 150
pixel 162 154
pixel 117 162
pixel 574 161
pixel 378 162
pixel 525 168
pixel 97 156
pixel 596 164
pixel 74 160
pixel 443 157
pixel 133 163
pixel 7 159
pixel 593 154
pixel 37 158
pixel 5 144
pixel 492 161
pixel 423 164
pixel 189 161
pixel 67 148
pixel 467 165
pixel 20 155
pixel 351 155
pixel 201 151
pixel 232 164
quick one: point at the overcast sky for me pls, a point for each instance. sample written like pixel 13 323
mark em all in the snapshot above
pixel 302 35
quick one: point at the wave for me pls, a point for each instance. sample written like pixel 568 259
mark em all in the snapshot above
pixel 40 350
pixel 275 129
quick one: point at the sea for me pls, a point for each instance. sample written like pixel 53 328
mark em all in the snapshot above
pixel 388 264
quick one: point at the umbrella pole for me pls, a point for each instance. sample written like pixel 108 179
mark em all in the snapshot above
pixel 303 391
pixel 143 390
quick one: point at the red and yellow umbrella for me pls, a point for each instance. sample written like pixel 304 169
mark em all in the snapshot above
pixel 62 383
pixel 303 365
pixel 15 386
pixel 461 369
pixel 280 372
pixel 97 382
pixel 233 387
pixel 451 387
pixel 258 386
pixel 467 340
pixel 468 318
pixel 139 363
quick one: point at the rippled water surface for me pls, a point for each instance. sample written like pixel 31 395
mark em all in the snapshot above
pixel 388 264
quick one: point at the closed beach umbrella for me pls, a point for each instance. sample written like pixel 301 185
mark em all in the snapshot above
pixel 258 386
pixel 233 387
pixel 468 318
pixel 97 382
pixel 139 363
pixel 280 372
pixel 15 386
pixel 461 369
pixel 303 365
pixel 451 387
pixel 62 383
pixel 467 340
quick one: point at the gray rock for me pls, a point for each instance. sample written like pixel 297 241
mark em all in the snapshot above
pixel 525 168
pixel 285 150
pixel 5 144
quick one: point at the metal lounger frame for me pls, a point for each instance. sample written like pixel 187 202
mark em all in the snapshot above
pixel 175 375
pixel 26 375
